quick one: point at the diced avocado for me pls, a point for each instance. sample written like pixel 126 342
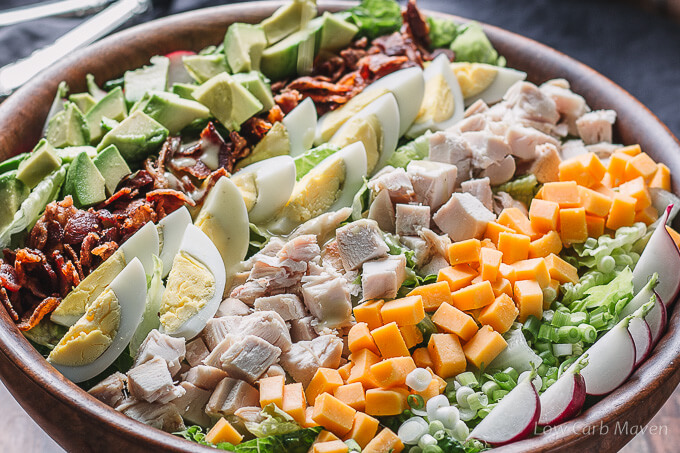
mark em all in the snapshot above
pixel 243 46
pixel 71 152
pixel 288 19
pixel 184 90
pixel 275 143
pixel 108 125
pixel 152 77
pixel 228 100
pixel 12 193
pixel 84 182
pixel 12 163
pixel 68 128
pixel 281 60
pixel 42 161
pixel 256 83
pixel 136 137
pixel 96 92
pixel 84 101
pixel 204 67
pixel 110 106
pixel 171 111
pixel 112 166
pixel 336 33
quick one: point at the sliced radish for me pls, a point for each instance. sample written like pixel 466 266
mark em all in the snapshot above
pixel 642 337
pixel 563 399
pixel 657 319
pixel 177 73
pixel 661 255
pixel 513 419
pixel 641 297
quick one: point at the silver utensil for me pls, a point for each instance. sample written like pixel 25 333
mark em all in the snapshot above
pixel 39 11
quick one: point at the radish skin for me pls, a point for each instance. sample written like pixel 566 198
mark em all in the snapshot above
pixel 176 71
pixel 562 400
pixel 657 318
pixel 642 338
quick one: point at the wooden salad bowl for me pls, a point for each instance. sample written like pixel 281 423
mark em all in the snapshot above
pixel 81 423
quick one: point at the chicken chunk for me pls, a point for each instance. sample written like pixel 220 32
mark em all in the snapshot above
pixel 501 172
pixel 359 242
pixel 433 182
pixel 529 103
pixel 327 298
pixel 481 190
pixel 231 395
pixel 110 391
pixel 249 358
pixel 383 278
pixel 196 351
pixel 524 140
pixel 595 127
pixel 165 417
pixel 463 217
pixel 411 219
pixel 191 405
pixel 452 149
pixel 546 167
pixel 305 357
pixel 289 306
pixel 395 181
pixel 204 376
pixel 232 307
pixel 382 211
pixel 302 329
pixel 157 344
pixel 151 382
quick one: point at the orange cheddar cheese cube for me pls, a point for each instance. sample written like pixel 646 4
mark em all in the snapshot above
pixel 369 312
pixel 331 446
pixel 595 226
pixel 630 150
pixel 514 246
pixel 345 370
pixel 223 431
pixel 674 235
pixel 549 243
pixel 647 215
pixel 385 442
pixel 544 215
pixel 493 229
pixel 573 228
pixel 564 193
pixel 560 270
pixel 447 354
pixel 389 341
pixel 433 294
pixel 456 276
pixel 326 436
pixel 529 299
pixel 353 395
pixel 574 170
pixel 334 415
pixel 324 380
pixel 515 219
pixel 422 359
pixel 271 390
pixel 412 335
pixel 363 429
pixel 507 272
pixel 392 372
pixel 294 401
pixel 464 252
pixel 383 402
pixel 474 296
pixel 489 262
pixel 361 368
pixel 406 311
pixel 622 212
pixel 640 165
pixel 484 346
pixel 532 269
pixel 617 166
pixel 603 190
pixel 451 320
pixel 662 178
pixel 500 314
pixel 359 337
pixel 309 423
pixel 502 286
pixel 594 202
pixel 637 188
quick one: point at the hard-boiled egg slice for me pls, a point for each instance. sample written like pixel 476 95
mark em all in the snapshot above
pixel 484 81
pixel 170 232
pixel 442 104
pixel 301 126
pixel 195 286
pixel 377 127
pixel 272 181
pixel 94 342
pixel 144 244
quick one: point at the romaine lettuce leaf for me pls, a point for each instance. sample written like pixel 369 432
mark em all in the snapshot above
pixel 376 17
pixel 416 149
pixel 305 162
pixel 473 46
pixel 150 317
pixel 521 189
pixel 608 295
pixel 442 32
pixel 275 422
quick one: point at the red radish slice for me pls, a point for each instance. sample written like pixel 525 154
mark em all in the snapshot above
pixel 642 337
pixel 610 361
pixel 176 72
pixel 661 255
pixel 563 399
pixel 657 319
pixel 641 297
pixel 513 419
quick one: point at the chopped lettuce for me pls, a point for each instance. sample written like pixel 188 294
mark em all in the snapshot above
pixel 592 253
pixel 442 32
pixel 473 46
pixel 521 189
pixel 46 334
pixel 375 17
pixel 361 201
pixel 150 317
pixel 258 239
pixel 416 149
pixel 305 162
pixel 275 422
pixel 607 295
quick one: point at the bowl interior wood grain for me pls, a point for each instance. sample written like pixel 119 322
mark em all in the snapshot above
pixel 81 423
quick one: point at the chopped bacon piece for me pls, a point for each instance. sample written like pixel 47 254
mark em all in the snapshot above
pixel 105 250
pixel 416 25
pixel 9 278
pixel 73 256
pixel 288 100
pixel 85 261
pixel 79 226
pixel 168 200
pixel 275 114
pixel 45 307
pixel 8 304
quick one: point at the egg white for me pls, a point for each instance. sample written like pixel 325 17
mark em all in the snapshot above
pixel 274 181
pixel 354 157
pixel 505 78
pixel 408 87
pixel 144 244
pixel 301 126
pixel 172 227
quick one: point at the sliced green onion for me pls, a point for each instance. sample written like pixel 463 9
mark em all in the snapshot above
pixel 549 382
pixel 462 394
pixel 548 358
pixel 477 401
pixel 587 332
pixel 606 264
pixel 353 446
pixel 452 385
pixel 552 373
pixel 467 378
pixel 600 320
pixel 510 371
pixel 439 435
pixel 568 334
pixel 578 317
pixel 426 441
pixel 415 401
pixel 435 426
pixel 488 387
pixel 531 327
pixel 561 318
pixel 504 381
pixel 548 332
pixel 542 369
pixel 562 349
pixel 432 449
pixel 577 349
pixel 542 346
pixel 483 412
pixel 549 296
pixel 498 394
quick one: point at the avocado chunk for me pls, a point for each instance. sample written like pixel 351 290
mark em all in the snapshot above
pixel 336 33
pixel 243 46
pixel 275 143
pixel 12 193
pixel 288 19
pixel 84 101
pixel 171 111
pixel 152 77
pixel 204 67
pixel 184 90
pixel 136 137
pixel 13 162
pixel 84 182
pixel 42 161
pixel 112 167
pixel 258 86
pixel 228 100
pixel 71 152
pixel 110 106
pixel 94 90
pixel 281 60
pixel 68 128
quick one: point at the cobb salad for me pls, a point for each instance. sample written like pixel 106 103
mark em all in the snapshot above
pixel 355 231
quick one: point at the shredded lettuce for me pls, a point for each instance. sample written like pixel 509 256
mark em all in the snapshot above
pixel 150 317
pixel 258 239
pixel 609 295
pixel 275 422
pixel 361 201
pixel 305 162
pixel 521 189
pixel 376 18
pixel 593 252
pixel 442 32
pixel 416 149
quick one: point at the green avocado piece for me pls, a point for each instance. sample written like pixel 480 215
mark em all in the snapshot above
pixel 171 111
pixel 84 182
pixel 281 60
pixel 275 143
pixel 68 128
pixel 203 67
pixel 228 100
pixel 336 33
pixel 148 78
pixel 472 45
pixel 94 90
pixel 110 106
pixel 288 19
pixel 136 137
pixel 108 124
pixel 184 90
pixel 84 101
pixel 12 193
pixel 13 162
pixel 258 86
pixel 42 161
pixel 71 152
pixel 112 166
pixel 243 46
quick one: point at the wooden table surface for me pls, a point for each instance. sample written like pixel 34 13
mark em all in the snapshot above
pixel 18 433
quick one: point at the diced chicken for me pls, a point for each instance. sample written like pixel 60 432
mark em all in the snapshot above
pixel 439 244
pixel 436 264
pixel 157 344
pixel 305 357
pixel 395 181
pixel 463 217
pixel 110 391
pixel 524 140
pixel 165 417
pixel 151 382
pixel 471 123
pixel 530 103
pixel 250 414
pixel 276 273
pixel 503 200
pixel 196 351
pixel 569 104
pixel 411 219
pixel 267 325
pixel 289 306
pixel 327 298
pixel 302 248
pixel 546 167
pixel 420 248
pixel 249 291
pixel 477 107
pixel 481 190
pixel 452 149
pixel 249 358
pixel 216 329
pixel 572 148
pixel 302 329
pixel 500 172
pixel 323 226
pixel 603 150
pixel 192 404
pixel 383 278
pixel 486 147
pixel 204 376
pixel 214 359
pixel 274 370
pixel 433 182
pixel 231 395
pixel 232 307
pixel 382 211
pixel 237 280
pixel 595 127
pixel 330 256
pixel 271 248
pixel 359 242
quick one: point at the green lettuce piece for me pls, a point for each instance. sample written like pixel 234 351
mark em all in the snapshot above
pixel 258 239
pixel 376 17
pixel 473 46
pixel 521 189
pixel 610 294
pixel 416 149
pixel 275 422
pixel 150 317
pixel 46 333
pixel 361 201
pixel 305 162
pixel 442 32
pixel 575 291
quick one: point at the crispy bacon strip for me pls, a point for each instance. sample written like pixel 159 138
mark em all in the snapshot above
pixel 8 304
pixel 45 307
pixel 9 278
